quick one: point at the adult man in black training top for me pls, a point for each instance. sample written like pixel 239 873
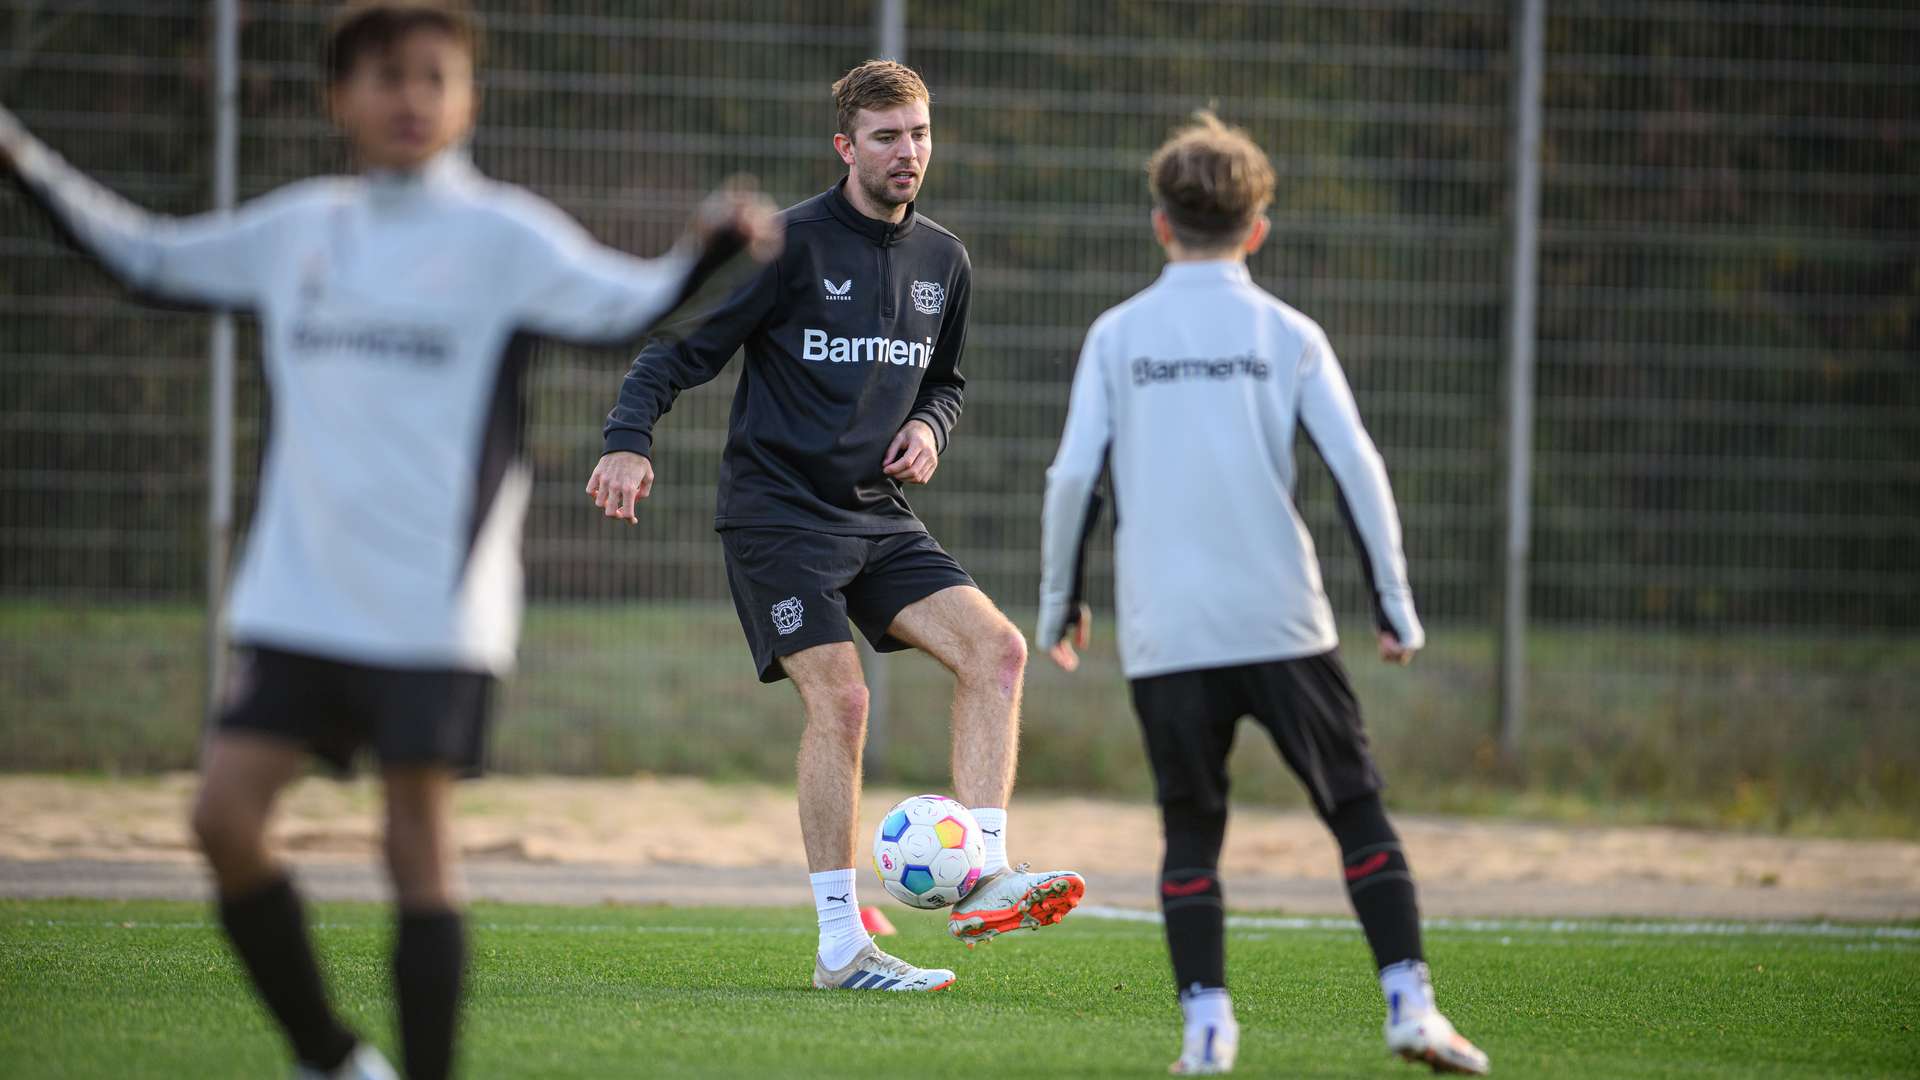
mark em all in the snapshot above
pixel 850 389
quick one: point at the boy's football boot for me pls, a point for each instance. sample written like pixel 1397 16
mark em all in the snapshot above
pixel 1207 1050
pixel 1429 1039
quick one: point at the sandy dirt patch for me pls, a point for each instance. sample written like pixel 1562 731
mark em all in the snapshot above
pixel 645 839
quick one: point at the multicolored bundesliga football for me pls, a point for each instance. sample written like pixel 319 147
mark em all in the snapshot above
pixel 928 851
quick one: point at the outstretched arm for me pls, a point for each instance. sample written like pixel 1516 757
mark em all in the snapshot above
pixel 1072 503
pixel 210 260
pixel 578 290
pixel 1366 499
pixel 581 291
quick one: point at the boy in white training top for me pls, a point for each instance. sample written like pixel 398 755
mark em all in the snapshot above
pixel 1190 394
pixel 379 594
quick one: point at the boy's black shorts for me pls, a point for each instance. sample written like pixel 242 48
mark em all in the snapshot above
pixel 1307 705
pixel 333 708
pixel 795 589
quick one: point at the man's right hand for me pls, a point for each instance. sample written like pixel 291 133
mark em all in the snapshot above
pixel 619 482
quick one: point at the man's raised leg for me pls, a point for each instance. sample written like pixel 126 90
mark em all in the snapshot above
pixel 962 629
pixel 833 691
pixel 242 777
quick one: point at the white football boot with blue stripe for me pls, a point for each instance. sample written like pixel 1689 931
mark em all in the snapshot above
pixel 871 969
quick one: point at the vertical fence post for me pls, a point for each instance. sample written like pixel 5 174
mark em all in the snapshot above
pixel 226 144
pixel 1523 275
pixel 889 43
pixel 890 30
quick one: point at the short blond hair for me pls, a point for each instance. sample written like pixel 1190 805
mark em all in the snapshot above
pixel 1211 181
pixel 876 84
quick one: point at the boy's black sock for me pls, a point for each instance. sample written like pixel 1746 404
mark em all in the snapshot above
pixel 1190 896
pixel 1379 882
pixel 429 960
pixel 268 928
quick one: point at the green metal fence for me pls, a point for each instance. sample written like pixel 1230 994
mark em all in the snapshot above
pixel 1726 484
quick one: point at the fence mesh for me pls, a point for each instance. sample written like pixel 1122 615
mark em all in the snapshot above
pixel 1727 492
pixel 1729 395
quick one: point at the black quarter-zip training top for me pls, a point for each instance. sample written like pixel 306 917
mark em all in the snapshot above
pixel 856 329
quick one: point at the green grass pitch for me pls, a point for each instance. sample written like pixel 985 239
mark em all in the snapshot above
pixel 147 989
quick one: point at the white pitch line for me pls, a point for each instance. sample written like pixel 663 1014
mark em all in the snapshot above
pixel 543 928
pixel 1545 926
pixel 1553 927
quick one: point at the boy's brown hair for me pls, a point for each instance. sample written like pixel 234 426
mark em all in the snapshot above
pixel 1212 181
pixel 363 26
pixel 876 84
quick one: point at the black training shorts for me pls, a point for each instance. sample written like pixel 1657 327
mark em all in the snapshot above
pixel 795 589
pixel 333 708
pixel 1307 705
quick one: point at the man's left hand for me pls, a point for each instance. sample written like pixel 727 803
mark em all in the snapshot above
pixel 913 456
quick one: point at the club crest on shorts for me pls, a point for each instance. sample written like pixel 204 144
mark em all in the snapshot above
pixel 787 615
pixel 928 297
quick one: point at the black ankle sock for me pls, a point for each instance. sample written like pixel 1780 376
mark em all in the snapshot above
pixel 429 958
pixel 268 928
pixel 1379 882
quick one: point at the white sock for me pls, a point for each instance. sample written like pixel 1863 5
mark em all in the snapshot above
pixel 1208 1007
pixel 841 935
pixel 993 832
pixel 1408 989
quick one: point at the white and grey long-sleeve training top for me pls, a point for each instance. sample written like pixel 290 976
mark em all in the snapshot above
pixel 393 316
pixel 1190 393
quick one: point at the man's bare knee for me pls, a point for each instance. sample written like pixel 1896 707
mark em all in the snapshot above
pixel 1010 656
pixel 998 659
pixel 841 711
